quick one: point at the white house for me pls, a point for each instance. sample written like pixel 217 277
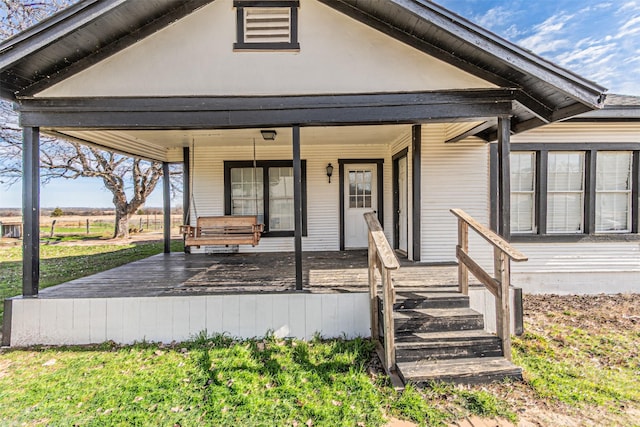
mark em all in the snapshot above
pixel 411 109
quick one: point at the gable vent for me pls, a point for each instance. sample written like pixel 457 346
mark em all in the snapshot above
pixel 267 25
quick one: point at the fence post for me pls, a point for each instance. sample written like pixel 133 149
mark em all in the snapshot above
pixel 87 225
pixel 463 243
pixel 503 314
pixel 389 335
pixel 373 290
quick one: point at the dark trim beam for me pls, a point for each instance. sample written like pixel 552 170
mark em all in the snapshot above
pixel 416 193
pixel 186 190
pixel 472 132
pixel 31 211
pixel 504 177
pixel 186 185
pixel 297 205
pixel 166 207
pixel 493 187
pixel 541 111
pixel 257 111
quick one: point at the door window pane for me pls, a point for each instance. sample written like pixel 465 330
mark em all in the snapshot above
pixel 247 192
pixel 613 191
pixel 523 192
pixel 281 199
pixel 360 188
pixel 565 192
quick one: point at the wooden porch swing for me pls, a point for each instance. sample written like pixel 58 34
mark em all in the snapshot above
pixel 223 230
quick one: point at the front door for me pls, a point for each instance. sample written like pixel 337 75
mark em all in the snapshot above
pixel 361 196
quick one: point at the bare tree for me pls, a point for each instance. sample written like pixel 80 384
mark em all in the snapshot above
pixel 121 175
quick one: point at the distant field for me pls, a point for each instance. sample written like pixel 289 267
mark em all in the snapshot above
pixel 99 225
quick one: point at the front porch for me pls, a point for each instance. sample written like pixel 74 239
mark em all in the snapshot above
pixel 179 274
pixel 172 297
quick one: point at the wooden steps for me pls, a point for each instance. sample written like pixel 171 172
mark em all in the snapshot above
pixel 439 338
pixel 478 370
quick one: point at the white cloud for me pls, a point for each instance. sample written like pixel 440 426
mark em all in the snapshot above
pixel 494 18
pixel 547 36
pixel 629 28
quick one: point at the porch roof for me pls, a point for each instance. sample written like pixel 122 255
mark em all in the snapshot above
pixel 91 31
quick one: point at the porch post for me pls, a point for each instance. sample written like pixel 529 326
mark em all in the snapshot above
pixel 31 211
pixel 297 205
pixel 166 199
pixel 504 177
pixel 416 193
pixel 186 190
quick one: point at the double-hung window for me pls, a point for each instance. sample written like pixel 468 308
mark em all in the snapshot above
pixel 613 191
pixel 556 191
pixel 266 190
pixel 565 192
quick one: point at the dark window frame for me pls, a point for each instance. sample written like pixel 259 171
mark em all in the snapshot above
pixel 241 5
pixel 589 234
pixel 265 165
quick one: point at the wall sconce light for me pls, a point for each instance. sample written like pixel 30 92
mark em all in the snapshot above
pixel 329 171
pixel 268 135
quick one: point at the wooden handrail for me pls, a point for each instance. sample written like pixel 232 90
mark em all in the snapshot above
pixel 499 285
pixel 384 260
pixel 490 236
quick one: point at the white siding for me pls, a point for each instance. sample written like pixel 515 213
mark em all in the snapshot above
pixel 454 175
pixel 581 133
pixel 194 56
pixel 165 319
pixel 323 204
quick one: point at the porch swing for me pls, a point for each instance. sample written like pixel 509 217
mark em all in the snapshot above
pixel 223 230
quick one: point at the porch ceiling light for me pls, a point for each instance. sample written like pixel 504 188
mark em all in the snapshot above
pixel 268 134
pixel 329 171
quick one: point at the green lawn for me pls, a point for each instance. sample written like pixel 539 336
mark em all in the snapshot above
pixel 581 367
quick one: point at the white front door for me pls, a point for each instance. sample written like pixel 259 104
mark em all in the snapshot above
pixel 403 205
pixel 361 196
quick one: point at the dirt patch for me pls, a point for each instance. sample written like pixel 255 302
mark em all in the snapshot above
pixel 594 313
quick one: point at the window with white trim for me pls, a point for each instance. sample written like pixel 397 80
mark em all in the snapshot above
pixel 266 25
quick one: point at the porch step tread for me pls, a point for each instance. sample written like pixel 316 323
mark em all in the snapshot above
pixel 413 300
pixel 445 336
pixel 436 313
pixel 466 371
pixel 437 320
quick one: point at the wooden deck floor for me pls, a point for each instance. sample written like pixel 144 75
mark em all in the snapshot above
pixel 189 274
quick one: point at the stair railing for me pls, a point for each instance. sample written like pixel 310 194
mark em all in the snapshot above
pixel 383 259
pixel 499 285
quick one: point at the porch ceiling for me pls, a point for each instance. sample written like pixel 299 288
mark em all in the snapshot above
pixel 166 145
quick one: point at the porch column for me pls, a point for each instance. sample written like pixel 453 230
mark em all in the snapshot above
pixel 31 211
pixel 297 205
pixel 186 189
pixel 166 199
pixel 504 177
pixel 416 193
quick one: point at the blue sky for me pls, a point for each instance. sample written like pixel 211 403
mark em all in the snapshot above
pixel 599 40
